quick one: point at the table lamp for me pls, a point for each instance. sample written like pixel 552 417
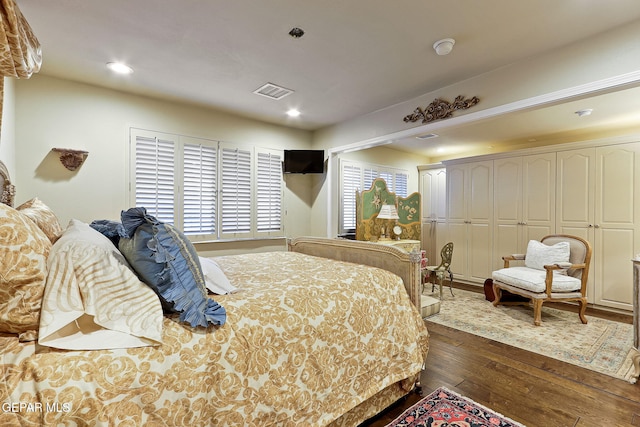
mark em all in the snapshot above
pixel 387 212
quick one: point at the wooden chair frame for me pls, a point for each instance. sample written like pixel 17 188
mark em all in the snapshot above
pixel 580 269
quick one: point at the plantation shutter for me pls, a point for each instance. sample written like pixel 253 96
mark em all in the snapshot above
pixel 154 176
pixel 401 184
pixel 351 182
pixel 200 191
pixel 388 178
pixel 268 192
pixel 236 192
pixel 369 176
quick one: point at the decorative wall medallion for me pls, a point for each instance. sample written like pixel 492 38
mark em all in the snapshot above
pixel 71 159
pixel 440 109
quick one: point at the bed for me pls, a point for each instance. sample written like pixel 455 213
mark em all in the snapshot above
pixel 324 333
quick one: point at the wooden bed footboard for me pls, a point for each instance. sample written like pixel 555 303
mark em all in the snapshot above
pixel 404 264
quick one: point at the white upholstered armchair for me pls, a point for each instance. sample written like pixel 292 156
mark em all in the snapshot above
pixel 555 269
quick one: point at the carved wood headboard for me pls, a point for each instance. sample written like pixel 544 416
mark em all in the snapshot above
pixel 8 189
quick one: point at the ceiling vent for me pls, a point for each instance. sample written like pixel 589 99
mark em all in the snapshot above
pixel 273 91
pixel 427 136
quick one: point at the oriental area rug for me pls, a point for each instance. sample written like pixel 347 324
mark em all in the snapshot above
pixel 444 407
pixel 601 345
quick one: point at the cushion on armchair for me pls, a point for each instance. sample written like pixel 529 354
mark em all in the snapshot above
pixel 539 254
pixel 534 279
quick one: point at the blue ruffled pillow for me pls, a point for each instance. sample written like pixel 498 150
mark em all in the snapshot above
pixel 167 261
pixel 113 230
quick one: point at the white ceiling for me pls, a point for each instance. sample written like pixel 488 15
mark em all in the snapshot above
pixel 356 56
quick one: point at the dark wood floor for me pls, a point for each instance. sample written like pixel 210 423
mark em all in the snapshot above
pixel 534 390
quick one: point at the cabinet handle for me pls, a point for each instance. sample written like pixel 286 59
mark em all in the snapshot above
pixel 590 226
pixel 596 226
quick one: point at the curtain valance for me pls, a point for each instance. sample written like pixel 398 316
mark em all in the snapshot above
pixel 20 52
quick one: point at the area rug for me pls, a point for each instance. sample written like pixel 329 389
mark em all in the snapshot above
pixel 601 345
pixel 444 407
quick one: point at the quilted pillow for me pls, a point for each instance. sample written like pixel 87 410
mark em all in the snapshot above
pixel 167 261
pixel 23 256
pixel 43 216
pixel 539 254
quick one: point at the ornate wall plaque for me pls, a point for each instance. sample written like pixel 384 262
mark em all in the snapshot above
pixel 71 159
pixel 440 109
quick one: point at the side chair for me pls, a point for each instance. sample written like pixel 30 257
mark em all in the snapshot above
pixel 444 268
pixel 556 269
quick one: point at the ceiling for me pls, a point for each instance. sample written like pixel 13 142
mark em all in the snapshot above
pixel 355 57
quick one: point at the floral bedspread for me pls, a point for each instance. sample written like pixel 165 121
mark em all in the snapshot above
pixel 306 340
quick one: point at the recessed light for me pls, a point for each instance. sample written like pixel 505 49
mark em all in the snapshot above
pixel 293 113
pixel 119 67
pixel 585 112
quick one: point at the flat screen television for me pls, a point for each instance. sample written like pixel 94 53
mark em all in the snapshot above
pixel 303 161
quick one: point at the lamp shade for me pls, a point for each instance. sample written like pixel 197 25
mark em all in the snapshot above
pixel 388 212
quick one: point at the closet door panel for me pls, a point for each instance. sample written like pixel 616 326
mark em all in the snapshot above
pixel 457 233
pixel 575 199
pixel 505 241
pixel 479 252
pixel 508 190
pixel 440 197
pixel 615 275
pixel 617 223
pixel 539 184
pixel 456 192
pixel 480 192
pixel 616 170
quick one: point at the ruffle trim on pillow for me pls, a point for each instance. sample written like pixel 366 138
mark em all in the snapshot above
pixel 174 284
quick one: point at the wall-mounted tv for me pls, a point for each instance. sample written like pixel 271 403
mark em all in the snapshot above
pixel 303 161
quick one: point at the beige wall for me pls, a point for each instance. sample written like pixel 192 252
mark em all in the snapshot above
pixel 554 74
pixel 51 112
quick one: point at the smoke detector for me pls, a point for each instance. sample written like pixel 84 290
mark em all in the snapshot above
pixel 444 46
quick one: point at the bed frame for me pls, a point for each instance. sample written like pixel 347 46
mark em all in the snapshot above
pixel 404 264
pixel 7 190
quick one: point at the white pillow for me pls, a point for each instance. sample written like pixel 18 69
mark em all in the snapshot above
pixel 214 278
pixel 92 299
pixel 539 254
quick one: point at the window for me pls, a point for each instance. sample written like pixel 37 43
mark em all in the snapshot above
pixel 269 192
pixel 200 189
pixel 236 192
pixel 208 189
pixel 357 176
pixel 154 165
